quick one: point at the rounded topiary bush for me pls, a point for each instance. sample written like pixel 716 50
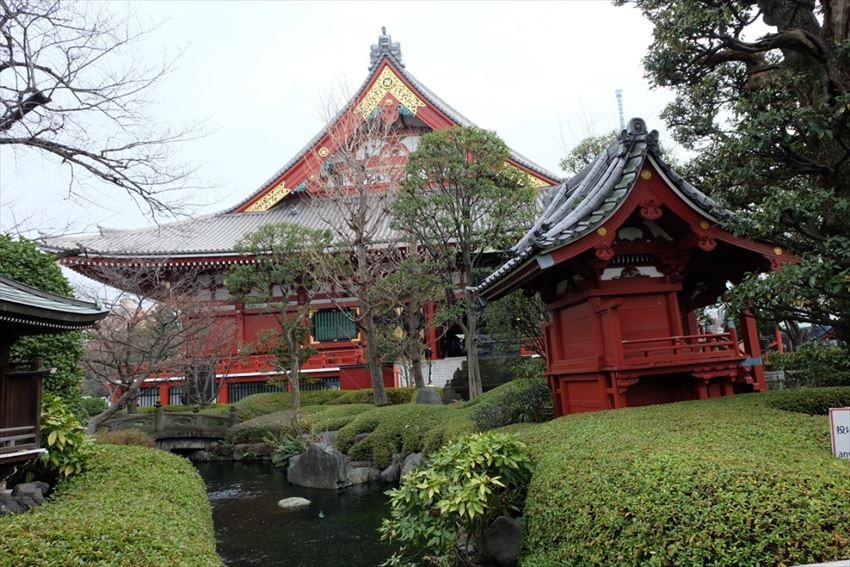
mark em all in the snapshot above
pixel 813 401
pixel 730 481
pixel 526 400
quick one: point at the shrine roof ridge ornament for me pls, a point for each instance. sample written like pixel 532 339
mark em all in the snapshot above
pixel 584 202
pixel 385 46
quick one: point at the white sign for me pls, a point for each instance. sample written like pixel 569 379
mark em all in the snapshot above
pixel 839 424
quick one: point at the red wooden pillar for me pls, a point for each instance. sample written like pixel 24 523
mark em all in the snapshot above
pixel 780 346
pixel 163 394
pixel 753 348
pixel 222 393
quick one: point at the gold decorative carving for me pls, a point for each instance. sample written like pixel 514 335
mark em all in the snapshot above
pixel 704 225
pixel 269 199
pixel 778 251
pixel 324 152
pixel 601 231
pixel 646 174
pixel 388 82
pixel 532 181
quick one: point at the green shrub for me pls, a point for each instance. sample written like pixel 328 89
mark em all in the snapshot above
pixel 93 406
pixel 395 396
pixel 219 409
pixel 729 481
pixel 813 365
pixel 404 429
pixel 813 401
pixel 285 448
pixel 465 486
pixel 132 506
pixel 68 447
pixel 125 437
pixel 525 400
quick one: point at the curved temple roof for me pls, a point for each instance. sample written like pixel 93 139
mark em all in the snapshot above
pixel 35 311
pixel 579 205
pixel 218 233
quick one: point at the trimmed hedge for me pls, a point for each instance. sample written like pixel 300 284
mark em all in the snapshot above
pixel 526 400
pixel 256 405
pixel 279 423
pixel 730 481
pixel 133 507
pixel 813 401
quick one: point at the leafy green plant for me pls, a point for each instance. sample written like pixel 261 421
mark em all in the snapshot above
pixel 68 447
pixel 812 401
pixel 465 485
pixel 814 365
pixel 285 447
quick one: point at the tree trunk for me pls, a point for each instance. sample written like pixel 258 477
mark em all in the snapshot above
pixel 127 399
pixel 470 333
pixel 294 372
pixel 373 359
pixel 414 352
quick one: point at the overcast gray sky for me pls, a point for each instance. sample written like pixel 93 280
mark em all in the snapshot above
pixel 541 74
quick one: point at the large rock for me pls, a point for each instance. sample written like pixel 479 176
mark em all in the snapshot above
pixel 502 541
pixel 319 466
pixel 412 461
pixel 29 489
pixel 428 396
pixel 392 473
pixel 362 475
pixel 294 503
pixel 9 504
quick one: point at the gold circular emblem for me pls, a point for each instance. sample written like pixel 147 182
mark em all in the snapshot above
pixel 387 82
pixel 388 102
pixel 645 174
pixel 777 251
pixel 704 225
pixel 601 231
pixel 324 152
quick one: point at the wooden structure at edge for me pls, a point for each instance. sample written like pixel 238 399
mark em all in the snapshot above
pixel 28 311
pixel 623 256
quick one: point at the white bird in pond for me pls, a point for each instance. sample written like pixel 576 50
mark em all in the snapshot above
pixel 321 514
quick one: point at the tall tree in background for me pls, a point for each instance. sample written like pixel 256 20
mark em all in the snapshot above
pixel 352 196
pixel 280 283
pixel 516 320
pixel 461 201
pixel 763 97
pixel 71 88
pixel 583 153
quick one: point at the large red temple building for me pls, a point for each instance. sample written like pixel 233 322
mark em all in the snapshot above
pixel 208 243
pixel 623 255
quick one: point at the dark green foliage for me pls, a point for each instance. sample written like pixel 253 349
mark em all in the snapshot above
pixel 395 396
pixel 93 406
pixel 133 506
pixel 260 404
pixel 276 425
pixel 762 92
pixel 514 321
pixel 585 152
pixel 464 486
pixel 519 401
pixel 285 447
pixel 729 481
pixel 813 401
pixel 20 259
pixel 813 365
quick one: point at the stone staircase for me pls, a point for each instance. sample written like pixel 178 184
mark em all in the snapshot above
pixel 442 370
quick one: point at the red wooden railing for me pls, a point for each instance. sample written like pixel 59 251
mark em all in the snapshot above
pixel 685 348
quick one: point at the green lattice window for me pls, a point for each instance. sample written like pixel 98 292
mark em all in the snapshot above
pixel 334 325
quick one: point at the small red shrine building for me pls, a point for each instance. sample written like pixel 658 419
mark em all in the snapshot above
pixel 623 255
pixel 207 244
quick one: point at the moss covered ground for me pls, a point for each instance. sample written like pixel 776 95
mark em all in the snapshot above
pixel 134 507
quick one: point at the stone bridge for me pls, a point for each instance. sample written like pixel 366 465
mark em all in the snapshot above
pixel 175 431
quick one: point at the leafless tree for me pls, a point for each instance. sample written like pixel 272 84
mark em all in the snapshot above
pixel 70 86
pixel 157 328
pixel 359 177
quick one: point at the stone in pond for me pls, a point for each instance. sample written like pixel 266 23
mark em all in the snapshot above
pixel 294 503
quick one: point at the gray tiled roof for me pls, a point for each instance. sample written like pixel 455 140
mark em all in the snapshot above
pixel 210 235
pixel 579 205
pixel 25 305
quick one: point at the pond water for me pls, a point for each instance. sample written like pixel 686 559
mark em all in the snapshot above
pixel 339 527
